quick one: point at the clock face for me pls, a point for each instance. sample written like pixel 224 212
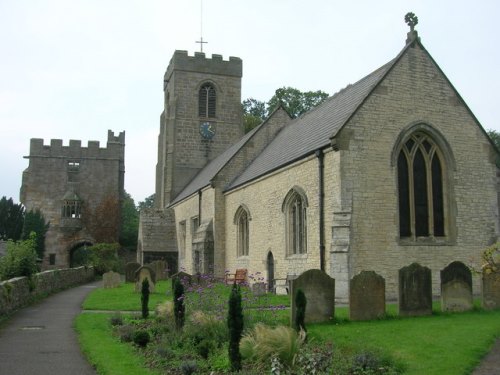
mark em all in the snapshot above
pixel 207 130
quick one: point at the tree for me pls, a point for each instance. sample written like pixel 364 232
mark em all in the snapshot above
pixel 35 222
pixel 294 101
pixel 11 219
pixel 254 112
pixel 235 325
pixel 145 298
pixel 129 223
pixel 148 202
pixel 104 257
pixel 495 137
pixel 20 259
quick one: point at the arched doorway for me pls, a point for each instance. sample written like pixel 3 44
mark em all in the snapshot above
pixel 270 272
pixel 79 254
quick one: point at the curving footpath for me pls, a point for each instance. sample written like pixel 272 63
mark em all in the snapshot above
pixel 40 338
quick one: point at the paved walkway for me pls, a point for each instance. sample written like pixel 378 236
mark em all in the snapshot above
pixel 40 339
pixel 490 365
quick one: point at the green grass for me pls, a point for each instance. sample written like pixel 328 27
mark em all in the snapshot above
pixel 439 344
pixel 104 351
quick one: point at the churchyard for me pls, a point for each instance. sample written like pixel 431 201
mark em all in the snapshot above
pixel 420 336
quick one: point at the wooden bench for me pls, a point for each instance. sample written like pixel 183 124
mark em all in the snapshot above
pixel 239 277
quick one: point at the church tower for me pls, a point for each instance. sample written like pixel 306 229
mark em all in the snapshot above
pixel 202 117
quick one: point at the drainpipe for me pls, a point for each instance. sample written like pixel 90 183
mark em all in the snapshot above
pixel 199 207
pixel 321 198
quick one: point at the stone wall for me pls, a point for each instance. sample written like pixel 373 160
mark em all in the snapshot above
pixel 15 293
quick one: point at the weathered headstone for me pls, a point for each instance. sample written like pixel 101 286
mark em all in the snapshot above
pixel 319 289
pixel 491 290
pixel 142 273
pixel 111 279
pixel 130 269
pixel 456 287
pixel 160 268
pixel 415 290
pixel 259 289
pixel 366 296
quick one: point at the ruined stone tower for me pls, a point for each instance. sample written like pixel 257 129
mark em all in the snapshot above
pixel 79 192
pixel 202 117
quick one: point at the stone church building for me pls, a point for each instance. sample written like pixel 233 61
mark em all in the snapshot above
pixel 391 170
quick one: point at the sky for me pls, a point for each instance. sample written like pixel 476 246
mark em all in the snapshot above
pixel 74 69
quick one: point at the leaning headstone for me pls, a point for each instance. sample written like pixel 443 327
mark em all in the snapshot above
pixel 366 296
pixel 111 279
pixel 259 289
pixel 491 290
pixel 456 287
pixel 142 273
pixel 185 278
pixel 415 290
pixel 319 289
pixel 130 269
pixel 160 268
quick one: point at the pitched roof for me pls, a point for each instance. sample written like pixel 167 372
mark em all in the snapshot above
pixel 313 130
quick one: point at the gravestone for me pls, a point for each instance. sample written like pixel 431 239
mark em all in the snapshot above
pixel 142 273
pixel 415 290
pixel 319 289
pixel 160 268
pixel 366 296
pixel 111 279
pixel 259 289
pixel 185 278
pixel 456 287
pixel 130 269
pixel 491 290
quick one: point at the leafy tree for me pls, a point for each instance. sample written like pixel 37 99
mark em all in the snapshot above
pixel 20 259
pixel 35 222
pixel 11 219
pixel 495 137
pixel 104 221
pixel 235 325
pixel 129 223
pixel 295 101
pixel 104 257
pixel 254 112
pixel 148 202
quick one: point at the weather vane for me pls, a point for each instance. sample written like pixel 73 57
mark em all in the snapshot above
pixel 201 42
pixel 411 19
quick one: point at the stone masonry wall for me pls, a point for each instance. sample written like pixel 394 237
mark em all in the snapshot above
pixel 415 92
pixel 15 293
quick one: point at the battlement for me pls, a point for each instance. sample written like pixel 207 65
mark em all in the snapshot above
pixel 115 148
pixel 201 64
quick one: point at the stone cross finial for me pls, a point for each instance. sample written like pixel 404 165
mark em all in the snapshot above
pixel 411 19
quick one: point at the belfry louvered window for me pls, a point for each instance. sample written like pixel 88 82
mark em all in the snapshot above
pixel 420 188
pixel 207 101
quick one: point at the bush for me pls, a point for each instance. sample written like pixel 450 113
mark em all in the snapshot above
pixel 189 367
pixel 20 259
pixel 263 342
pixel 179 309
pixel 300 312
pixel 165 311
pixel 235 325
pixel 126 333
pixel 116 320
pixel 145 298
pixel 104 257
pixel 141 338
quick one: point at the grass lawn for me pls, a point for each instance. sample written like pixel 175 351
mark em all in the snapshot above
pixel 439 344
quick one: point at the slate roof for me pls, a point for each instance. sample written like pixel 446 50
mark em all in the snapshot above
pixel 313 130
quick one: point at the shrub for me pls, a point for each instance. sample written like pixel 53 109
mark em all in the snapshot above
pixel 141 338
pixel 126 333
pixel 104 257
pixel 263 342
pixel 20 259
pixel 116 320
pixel 300 312
pixel 235 325
pixel 179 309
pixel 189 367
pixel 165 311
pixel 145 298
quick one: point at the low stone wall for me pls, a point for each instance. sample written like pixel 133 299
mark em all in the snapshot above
pixel 15 293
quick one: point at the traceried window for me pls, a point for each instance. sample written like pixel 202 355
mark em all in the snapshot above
pixel 295 210
pixel 207 101
pixel 241 219
pixel 72 209
pixel 421 188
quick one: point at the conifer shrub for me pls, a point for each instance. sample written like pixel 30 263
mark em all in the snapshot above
pixel 300 310
pixel 235 325
pixel 179 308
pixel 145 298
pixel 141 338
